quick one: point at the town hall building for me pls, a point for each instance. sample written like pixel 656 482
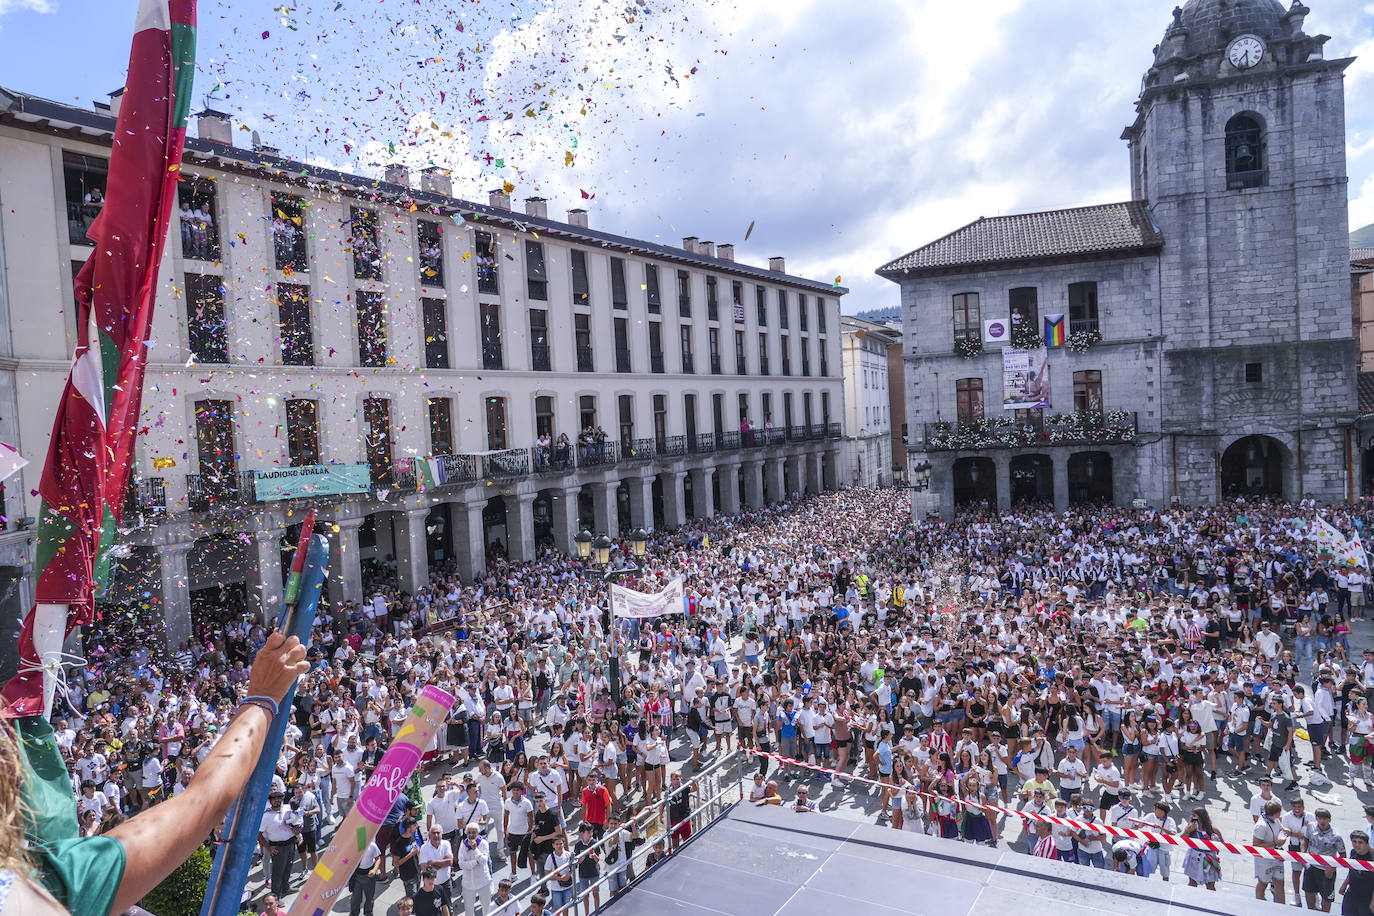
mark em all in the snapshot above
pixel 1191 344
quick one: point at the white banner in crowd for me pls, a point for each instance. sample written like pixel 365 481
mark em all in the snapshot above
pixel 628 603
pixel 1347 552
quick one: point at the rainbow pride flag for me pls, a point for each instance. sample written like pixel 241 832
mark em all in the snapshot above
pixel 1055 331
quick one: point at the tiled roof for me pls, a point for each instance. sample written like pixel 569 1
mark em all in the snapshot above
pixel 1366 389
pixel 1108 228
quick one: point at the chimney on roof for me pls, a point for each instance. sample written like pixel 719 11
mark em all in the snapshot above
pixel 116 98
pixel 436 180
pixel 690 244
pixel 577 217
pixel 537 207
pixel 214 126
pixel 725 251
pixel 260 147
pixel 777 265
pixel 499 199
pixel 396 173
pixel 707 248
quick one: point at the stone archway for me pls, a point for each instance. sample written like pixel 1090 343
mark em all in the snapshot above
pixel 1032 480
pixel 975 481
pixel 1255 466
pixel 1090 478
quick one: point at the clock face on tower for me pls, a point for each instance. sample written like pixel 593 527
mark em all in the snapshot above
pixel 1245 52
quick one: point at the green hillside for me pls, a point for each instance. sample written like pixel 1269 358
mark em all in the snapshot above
pixel 1363 238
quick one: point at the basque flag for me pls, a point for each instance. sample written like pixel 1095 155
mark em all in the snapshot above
pixel 92 443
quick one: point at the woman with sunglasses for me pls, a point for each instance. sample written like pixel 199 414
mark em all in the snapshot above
pixel 1202 866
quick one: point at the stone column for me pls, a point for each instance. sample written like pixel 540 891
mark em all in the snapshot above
pixel 269 575
pixel 468 543
pixel 345 561
pixel 520 527
pixel 412 552
pixel 772 481
pixel 1061 481
pixel 729 489
pixel 674 500
pixel 641 501
pixel 1002 462
pixel 753 484
pixel 813 473
pixel 176 593
pixel 564 506
pixel 830 470
pixel 606 511
pixel 703 505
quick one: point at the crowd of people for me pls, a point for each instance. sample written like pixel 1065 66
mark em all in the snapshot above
pixel 1107 663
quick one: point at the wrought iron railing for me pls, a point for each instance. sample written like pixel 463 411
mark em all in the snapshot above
pixel 741 367
pixel 705 442
pixel 656 363
pixel 584 359
pixel 636 449
pixel 687 366
pixel 145 498
pixel 1089 427
pixel 671 446
pixel 491 356
pixel 553 459
pixel 539 358
pixel 763 365
pixel 715 364
pixel 622 359
pixel 512 462
pixel 199 240
pixel 817 431
pixel 833 430
pixel 80 216
pixel 728 440
pixel 797 433
pixel 597 454
pixel 220 489
pixel 432 270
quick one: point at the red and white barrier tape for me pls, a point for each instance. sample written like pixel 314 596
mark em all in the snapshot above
pixel 1259 852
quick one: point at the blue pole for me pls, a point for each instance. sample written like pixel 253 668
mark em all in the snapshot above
pixel 234 858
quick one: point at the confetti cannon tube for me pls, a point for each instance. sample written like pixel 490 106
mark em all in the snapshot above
pixel 340 858
pixel 239 836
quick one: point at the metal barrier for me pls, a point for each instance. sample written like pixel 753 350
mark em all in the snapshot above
pixel 718 792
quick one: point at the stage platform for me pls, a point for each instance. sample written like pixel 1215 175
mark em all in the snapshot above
pixel 761 861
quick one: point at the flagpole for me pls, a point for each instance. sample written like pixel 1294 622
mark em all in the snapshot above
pixel 239 837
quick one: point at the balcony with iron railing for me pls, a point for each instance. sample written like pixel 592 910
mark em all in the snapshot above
pixel 622 359
pixel 786 368
pixel 741 367
pixel 715 364
pixel 671 446
pixel 80 216
pixel 540 360
pixel 507 463
pixel 145 498
pixel 636 450
pixel 487 277
pixel 431 269
pixel 798 433
pixel 215 489
pixel 817 431
pixel 199 240
pixel 1117 427
pixel 597 453
pixel 656 363
pixel 491 356
pixel 763 365
pixel 832 430
pixel 457 470
pixel 554 459
pixel 584 360
pixel 728 441
pixel 684 307
pixel 701 443
pixel 687 366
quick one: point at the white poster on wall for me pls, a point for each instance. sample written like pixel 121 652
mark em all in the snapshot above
pixel 996 332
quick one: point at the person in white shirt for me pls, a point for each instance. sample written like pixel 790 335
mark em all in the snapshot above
pixel 1159 821
pixel 1107 777
pixel 1071 774
pixel 344 778
pixel 491 786
pixel 475 868
pixel 442 810
pixel 1293 825
pixel 517 819
pixel 438 853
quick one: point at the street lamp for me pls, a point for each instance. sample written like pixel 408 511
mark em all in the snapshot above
pixel 601 547
pixel 583 540
pixel 922 475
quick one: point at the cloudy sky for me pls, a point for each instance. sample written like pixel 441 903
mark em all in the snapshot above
pixel 845 134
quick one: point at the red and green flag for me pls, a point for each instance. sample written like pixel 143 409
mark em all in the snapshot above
pixel 92 444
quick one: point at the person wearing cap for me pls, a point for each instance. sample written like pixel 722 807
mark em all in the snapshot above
pixel 277 836
pixel 1269 835
pixel 474 866
pixel 1318 883
pixel 431 898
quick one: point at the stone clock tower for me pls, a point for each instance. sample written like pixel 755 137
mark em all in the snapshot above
pixel 1239 148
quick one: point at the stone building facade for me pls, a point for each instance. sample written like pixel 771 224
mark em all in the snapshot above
pixel 1218 314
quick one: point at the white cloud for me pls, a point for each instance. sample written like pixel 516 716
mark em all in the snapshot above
pixel 32 6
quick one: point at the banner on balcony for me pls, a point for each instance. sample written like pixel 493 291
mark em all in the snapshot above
pixel 1025 379
pixel 317 480
pixel 628 603
pixel 739 313
pixel 996 332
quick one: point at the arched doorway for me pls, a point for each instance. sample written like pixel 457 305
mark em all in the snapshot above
pixel 438 534
pixel 1090 478
pixel 658 512
pixel 622 506
pixel 217 569
pixel 975 481
pixel 542 510
pixel 1367 478
pixel 586 511
pixel 1032 480
pixel 1254 466
pixel 494 527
